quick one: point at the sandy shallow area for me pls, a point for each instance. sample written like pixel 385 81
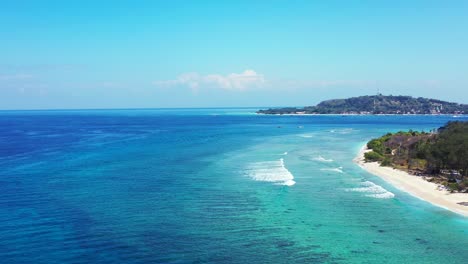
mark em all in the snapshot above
pixel 416 185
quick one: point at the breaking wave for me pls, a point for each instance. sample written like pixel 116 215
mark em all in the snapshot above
pixel 373 190
pixel 343 131
pixel 271 171
pixel 322 159
pixel 339 169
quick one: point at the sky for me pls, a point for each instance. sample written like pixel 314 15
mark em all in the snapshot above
pixel 158 54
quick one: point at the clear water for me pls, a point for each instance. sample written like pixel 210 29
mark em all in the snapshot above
pixel 209 186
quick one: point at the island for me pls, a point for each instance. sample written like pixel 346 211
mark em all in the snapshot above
pixel 375 104
pixel 430 165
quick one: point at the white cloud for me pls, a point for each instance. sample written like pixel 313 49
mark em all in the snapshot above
pixel 233 81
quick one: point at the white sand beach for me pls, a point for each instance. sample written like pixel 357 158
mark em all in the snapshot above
pixel 416 185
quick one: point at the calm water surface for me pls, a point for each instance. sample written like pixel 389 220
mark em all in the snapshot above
pixel 209 186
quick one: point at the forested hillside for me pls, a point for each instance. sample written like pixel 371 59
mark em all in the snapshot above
pixel 442 154
pixel 377 104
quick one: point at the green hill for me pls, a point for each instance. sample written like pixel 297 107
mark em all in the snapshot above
pixel 376 104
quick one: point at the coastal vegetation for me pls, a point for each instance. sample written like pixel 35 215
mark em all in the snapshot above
pixel 376 104
pixel 442 155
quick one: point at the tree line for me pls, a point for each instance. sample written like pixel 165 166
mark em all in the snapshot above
pixel 443 153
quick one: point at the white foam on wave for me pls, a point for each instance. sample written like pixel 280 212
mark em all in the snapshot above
pixel 285 153
pixel 339 169
pixel 343 131
pixel 373 190
pixel 287 183
pixel 322 159
pixel 306 135
pixel 271 171
pixel 386 195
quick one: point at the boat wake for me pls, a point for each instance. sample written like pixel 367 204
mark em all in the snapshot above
pixel 271 171
pixel 373 190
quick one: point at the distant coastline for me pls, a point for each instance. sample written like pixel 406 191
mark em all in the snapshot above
pixel 375 105
pixel 415 185
pixel 347 114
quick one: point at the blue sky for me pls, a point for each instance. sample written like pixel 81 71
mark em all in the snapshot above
pixel 131 54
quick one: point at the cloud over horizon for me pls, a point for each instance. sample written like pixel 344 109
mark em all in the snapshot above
pixel 233 81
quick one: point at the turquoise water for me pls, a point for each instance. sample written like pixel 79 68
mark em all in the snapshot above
pixel 209 186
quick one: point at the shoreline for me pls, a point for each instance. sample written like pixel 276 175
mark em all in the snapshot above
pixel 415 186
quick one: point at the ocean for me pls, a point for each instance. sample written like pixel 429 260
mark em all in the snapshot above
pixel 209 186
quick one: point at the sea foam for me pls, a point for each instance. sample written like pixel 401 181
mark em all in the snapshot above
pixel 339 169
pixel 373 190
pixel 271 171
pixel 322 159
pixel 343 131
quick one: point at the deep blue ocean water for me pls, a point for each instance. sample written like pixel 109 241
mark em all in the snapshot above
pixel 209 186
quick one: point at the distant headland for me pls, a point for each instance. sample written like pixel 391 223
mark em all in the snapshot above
pixel 376 104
